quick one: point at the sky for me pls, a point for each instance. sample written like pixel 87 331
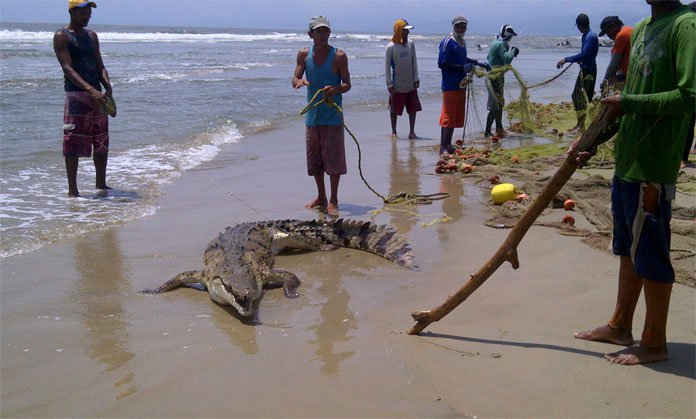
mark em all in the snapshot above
pixel 533 17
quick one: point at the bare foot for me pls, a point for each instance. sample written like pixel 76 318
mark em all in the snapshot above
pixel 332 210
pixel 638 354
pixel 102 187
pixel 412 136
pixel 394 136
pixel 316 203
pixel 73 194
pixel 607 334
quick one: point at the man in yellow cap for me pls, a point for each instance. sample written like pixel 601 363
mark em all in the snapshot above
pixel 85 127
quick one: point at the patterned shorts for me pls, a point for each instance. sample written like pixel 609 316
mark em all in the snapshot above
pixel 84 126
pixel 326 151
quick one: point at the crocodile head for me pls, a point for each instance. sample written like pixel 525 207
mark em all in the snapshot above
pixel 230 281
pixel 236 292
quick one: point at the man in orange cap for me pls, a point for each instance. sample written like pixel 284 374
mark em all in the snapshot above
pixel 401 69
pixel 85 127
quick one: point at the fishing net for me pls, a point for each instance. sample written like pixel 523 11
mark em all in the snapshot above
pixel 524 115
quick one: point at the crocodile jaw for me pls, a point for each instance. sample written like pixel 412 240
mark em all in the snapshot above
pixel 222 295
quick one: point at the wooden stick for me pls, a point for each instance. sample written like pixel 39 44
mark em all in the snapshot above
pixel 508 250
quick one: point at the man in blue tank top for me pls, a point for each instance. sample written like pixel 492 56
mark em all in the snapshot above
pixel 85 126
pixel 326 68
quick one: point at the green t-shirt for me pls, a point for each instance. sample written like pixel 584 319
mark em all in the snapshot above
pixel 500 54
pixel 658 99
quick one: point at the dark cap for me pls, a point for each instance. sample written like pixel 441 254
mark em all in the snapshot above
pixel 582 20
pixel 607 23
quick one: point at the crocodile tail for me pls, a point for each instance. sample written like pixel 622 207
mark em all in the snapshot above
pixel 379 239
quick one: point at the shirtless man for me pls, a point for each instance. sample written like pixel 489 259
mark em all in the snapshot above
pixel 326 68
pixel 85 126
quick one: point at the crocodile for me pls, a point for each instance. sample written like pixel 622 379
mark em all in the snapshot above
pixel 238 263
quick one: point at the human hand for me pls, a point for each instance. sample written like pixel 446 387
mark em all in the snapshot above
pixel 515 51
pixel 416 84
pixel 484 64
pixel 390 89
pixel 298 83
pixel 331 90
pixel 561 63
pixel 97 96
pixel 582 157
pixel 614 109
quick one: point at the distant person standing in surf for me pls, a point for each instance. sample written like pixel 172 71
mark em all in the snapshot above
pixel 85 126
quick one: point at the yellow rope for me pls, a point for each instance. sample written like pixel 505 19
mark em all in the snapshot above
pixel 401 197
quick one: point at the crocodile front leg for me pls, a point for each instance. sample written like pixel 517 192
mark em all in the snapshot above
pixel 289 281
pixel 180 280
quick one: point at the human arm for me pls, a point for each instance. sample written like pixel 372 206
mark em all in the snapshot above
pixel 681 98
pixel 297 80
pixel 611 121
pixel 613 66
pixel 60 47
pixel 388 61
pixel 103 74
pixel 590 45
pixel 505 54
pixel 340 65
pixel 416 80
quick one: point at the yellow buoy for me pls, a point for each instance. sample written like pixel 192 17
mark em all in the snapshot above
pixel 503 193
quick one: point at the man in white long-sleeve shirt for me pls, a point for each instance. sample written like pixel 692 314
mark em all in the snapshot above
pixel 402 77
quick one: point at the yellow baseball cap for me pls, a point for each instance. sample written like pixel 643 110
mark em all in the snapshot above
pixel 80 3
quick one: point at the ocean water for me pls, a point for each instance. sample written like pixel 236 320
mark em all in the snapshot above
pixel 183 94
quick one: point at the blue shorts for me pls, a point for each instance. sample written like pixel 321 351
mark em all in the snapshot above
pixel 643 236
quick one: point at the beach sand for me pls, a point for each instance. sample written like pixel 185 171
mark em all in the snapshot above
pixel 79 341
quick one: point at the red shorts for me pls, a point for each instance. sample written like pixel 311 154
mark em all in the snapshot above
pixel 326 152
pixel 453 109
pixel 84 126
pixel 398 100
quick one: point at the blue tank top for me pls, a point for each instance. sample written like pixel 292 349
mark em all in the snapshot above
pixel 320 76
pixel 84 60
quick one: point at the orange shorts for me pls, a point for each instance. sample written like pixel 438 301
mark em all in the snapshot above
pixel 453 107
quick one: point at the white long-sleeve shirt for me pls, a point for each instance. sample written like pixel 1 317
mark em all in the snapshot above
pixel 401 67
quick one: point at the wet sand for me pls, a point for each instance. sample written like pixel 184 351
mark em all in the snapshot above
pixel 79 341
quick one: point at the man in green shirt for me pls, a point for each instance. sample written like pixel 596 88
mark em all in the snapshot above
pixel 655 109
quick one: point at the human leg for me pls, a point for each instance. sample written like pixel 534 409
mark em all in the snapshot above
pixel 446 140
pixel 320 200
pixel 412 126
pixel 489 124
pixel 579 99
pixel 71 164
pixel 332 209
pixel 315 166
pixel 451 117
pixel 100 162
pixel 393 117
pixel 653 345
pixel 413 106
pixel 619 328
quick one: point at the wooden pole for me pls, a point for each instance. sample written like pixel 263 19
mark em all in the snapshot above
pixel 508 250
